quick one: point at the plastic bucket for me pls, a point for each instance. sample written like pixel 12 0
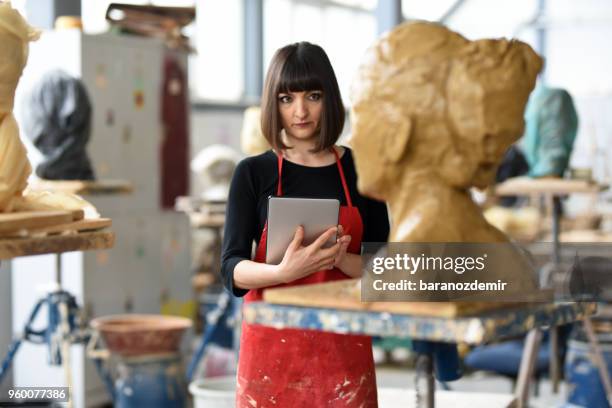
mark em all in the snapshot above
pixel 216 392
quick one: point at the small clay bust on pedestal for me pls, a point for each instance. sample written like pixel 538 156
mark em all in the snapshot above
pixel 432 116
pixel 214 166
pixel 252 140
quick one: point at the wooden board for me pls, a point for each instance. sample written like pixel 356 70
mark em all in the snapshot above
pixel 14 247
pixel 81 225
pixel 554 186
pixel 584 236
pixel 83 187
pixel 34 219
pixel 343 295
pixel 71 227
pixel 200 220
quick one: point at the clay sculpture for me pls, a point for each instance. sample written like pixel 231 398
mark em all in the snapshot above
pixel 432 116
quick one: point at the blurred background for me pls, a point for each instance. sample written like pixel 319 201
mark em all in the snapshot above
pixel 173 88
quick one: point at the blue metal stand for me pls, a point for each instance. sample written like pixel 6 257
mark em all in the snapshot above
pixel 218 330
pixel 50 335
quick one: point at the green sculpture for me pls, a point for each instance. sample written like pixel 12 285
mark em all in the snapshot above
pixel 551 126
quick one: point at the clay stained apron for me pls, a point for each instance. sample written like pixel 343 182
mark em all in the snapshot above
pixel 293 368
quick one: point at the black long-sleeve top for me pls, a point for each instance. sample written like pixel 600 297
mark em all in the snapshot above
pixel 256 178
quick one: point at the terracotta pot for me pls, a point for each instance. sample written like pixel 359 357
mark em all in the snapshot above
pixel 136 334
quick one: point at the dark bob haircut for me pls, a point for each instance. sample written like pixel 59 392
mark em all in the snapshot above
pixel 302 67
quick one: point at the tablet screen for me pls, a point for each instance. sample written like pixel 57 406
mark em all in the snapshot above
pixel 285 214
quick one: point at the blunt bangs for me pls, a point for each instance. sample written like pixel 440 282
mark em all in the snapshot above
pixel 298 75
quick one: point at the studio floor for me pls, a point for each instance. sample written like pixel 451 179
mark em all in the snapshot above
pixel 400 377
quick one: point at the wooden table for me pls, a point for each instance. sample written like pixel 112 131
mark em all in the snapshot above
pixel 476 329
pixel 56 244
pixel 555 188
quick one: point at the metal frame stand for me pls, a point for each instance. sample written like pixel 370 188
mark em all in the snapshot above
pixel 425 383
pixel 593 341
pixel 221 315
pixel 60 333
pixel 526 370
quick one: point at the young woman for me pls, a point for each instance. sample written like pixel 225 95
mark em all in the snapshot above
pixel 302 118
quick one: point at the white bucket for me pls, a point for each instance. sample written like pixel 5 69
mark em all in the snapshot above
pixel 217 392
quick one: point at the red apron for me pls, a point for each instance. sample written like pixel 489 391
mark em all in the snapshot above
pixel 293 368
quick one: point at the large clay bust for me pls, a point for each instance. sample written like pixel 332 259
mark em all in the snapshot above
pixel 432 115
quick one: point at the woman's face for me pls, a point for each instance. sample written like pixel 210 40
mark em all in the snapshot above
pixel 300 113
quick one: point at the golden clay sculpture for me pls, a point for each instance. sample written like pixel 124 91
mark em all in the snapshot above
pixel 15 168
pixel 432 116
pixel 15 34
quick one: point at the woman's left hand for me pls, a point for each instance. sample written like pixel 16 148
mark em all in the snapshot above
pixel 344 241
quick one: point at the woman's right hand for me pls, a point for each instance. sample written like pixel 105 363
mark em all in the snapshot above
pixel 300 261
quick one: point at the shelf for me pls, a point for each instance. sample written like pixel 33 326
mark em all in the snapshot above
pixel 83 187
pixel 553 186
pixel 15 247
pixel 200 220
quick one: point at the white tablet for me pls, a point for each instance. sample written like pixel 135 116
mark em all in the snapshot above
pixel 316 215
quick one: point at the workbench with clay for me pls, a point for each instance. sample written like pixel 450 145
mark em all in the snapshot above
pixel 311 307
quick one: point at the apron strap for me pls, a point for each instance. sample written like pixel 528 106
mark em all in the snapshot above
pixel 279 188
pixel 346 190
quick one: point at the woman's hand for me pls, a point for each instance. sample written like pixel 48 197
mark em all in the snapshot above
pixel 344 241
pixel 300 261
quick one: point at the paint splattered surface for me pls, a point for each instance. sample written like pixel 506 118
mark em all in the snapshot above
pixel 479 329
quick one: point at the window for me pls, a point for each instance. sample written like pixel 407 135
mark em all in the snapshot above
pixel 478 18
pixel 215 72
pixel 344 29
pixel 425 10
